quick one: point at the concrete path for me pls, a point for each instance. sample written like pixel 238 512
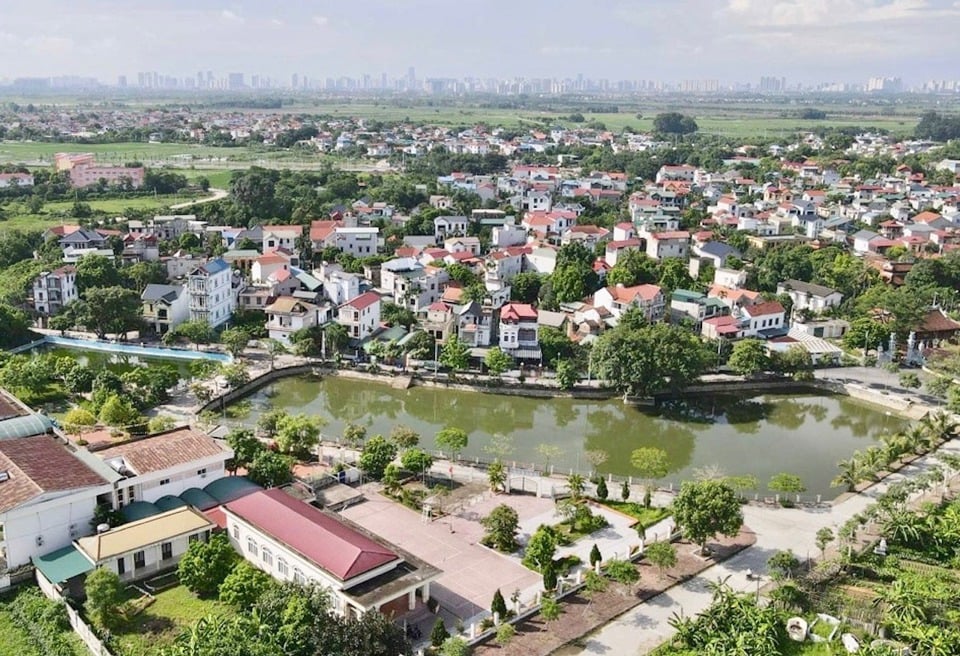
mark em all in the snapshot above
pixel 642 629
pixel 217 194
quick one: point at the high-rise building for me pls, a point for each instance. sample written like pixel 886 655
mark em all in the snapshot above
pixel 294 81
pixel 122 81
pixel 235 81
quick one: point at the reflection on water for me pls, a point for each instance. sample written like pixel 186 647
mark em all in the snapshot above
pixel 799 433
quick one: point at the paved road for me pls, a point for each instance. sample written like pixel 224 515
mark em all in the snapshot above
pixel 217 194
pixel 642 629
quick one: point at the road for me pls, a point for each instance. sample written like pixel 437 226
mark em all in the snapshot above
pixel 217 194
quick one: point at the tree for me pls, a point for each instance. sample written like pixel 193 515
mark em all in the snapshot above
pixel 16 326
pixel 97 271
pixel 404 437
pixel 245 446
pixel 662 555
pixel 275 348
pixel 567 375
pixel 624 491
pixel 196 331
pixel 336 337
pixel 602 492
pixel 498 606
pixel 550 610
pixel 377 453
pixel 651 462
pixel 622 571
pixel 525 287
pixel 160 424
pixel 270 469
pixel 541 548
pixel 397 315
pixel 354 434
pixel 786 483
pixel 550 576
pixel 455 355
pixel 104 603
pixel 235 340
pixel 823 538
pixel 142 274
pixel 77 419
pixel 639 362
pixel 577 484
pixel 633 268
pixel 244 586
pixel 674 123
pixel 452 439
pixel 783 565
pixel 595 556
pixel 111 310
pixel 118 412
pixel 415 460
pixel 703 509
pixel 749 357
pixel 298 434
pixel 205 565
pixel 439 634
pixel 549 453
pixel 497 476
pixel 501 528
pixel 497 361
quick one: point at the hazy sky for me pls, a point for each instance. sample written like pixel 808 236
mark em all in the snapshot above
pixel 729 40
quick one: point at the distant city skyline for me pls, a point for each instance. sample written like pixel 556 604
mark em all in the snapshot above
pixel 806 41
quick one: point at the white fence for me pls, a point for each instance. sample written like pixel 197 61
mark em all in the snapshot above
pixel 80 627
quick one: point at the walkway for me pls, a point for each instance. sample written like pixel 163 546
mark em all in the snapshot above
pixel 218 194
pixel 641 630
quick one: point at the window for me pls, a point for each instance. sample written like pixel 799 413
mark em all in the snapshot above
pixel 164 481
pixel 267 556
pixel 298 576
pixel 202 472
pixel 236 532
pixel 252 546
pixel 282 566
pixel 166 551
pixel 139 560
pixel 121 566
pixel 193 538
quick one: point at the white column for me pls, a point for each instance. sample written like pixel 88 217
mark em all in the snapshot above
pixel 412 599
pixel 425 592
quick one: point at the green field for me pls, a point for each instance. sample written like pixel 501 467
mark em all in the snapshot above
pixel 55 213
pixel 218 178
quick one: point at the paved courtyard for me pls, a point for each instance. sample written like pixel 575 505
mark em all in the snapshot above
pixel 472 573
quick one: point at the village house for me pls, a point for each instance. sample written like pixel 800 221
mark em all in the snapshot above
pixel 763 320
pixel 445 227
pixel 440 321
pixel 475 324
pixel 808 296
pixel 619 298
pixel 287 315
pixel 661 245
pixel 695 307
pixel 211 293
pixel 518 331
pixel 280 236
pixel 164 307
pixel 360 315
pixel 55 290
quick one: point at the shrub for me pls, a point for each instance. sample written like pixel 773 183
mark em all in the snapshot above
pixel 439 633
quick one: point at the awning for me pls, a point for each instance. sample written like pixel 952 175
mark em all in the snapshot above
pixel 25 426
pixel 63 564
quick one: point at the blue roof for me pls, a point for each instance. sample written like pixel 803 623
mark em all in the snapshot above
pixel 169 502
pixel 63 564
pixel 215 266
pixel 139 510
pixel 231 488
pixel 199 499
pixel 25 426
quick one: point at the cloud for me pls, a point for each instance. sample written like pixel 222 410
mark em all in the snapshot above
pixel 49 45
pixel 574 50
pixel 231 16
pixel 276 22
pixel 830 13
pixel 321 21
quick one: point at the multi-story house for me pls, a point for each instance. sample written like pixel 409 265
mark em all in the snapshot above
pixel 360 315
pixel 412 285
pixel 338 285
pixel 618 299
pixel 807 296
pixel 164 307
pixel 762 319
pixel 281 236
pixel 211 293
pixel 475 324
pixel 502 266
pixel 615 249
pixel 518 332
pixel 445 227
pixel 83 239
pixel 439 321
pixel 662 245
pixel 140 248
pixel 686 305
pixel 55 290
pixel 286 315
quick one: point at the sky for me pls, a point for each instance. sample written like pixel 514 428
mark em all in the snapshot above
pixel 807 41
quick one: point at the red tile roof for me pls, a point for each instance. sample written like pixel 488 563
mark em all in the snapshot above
pixel 364 300
pixel 164 450
pixel 317 536
pixel 760 309
pixel 628 294
pixel 518 312
pixel 38 465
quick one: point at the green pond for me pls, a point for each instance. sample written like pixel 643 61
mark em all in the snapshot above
pixel 801 433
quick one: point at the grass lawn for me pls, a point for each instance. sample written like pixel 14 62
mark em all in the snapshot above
pixel 647 517
pixel 25 151
pixel 157 626
pixel 219 178
pixel 57 212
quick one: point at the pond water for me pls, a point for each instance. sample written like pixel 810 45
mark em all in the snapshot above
pixel 116 362
pixel 801 433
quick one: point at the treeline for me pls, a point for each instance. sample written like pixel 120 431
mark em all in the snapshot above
pixel 938 127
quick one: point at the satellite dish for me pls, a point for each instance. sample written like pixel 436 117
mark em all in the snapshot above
pixel 103 528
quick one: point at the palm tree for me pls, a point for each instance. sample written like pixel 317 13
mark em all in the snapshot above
pixel 874 460
pixel 940 424
pixel 904 527
pixel 895 446
pixel 916 437
pixel 849 474
pixel 577 485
